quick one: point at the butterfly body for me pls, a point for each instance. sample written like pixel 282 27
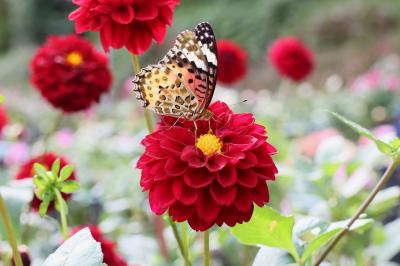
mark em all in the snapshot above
pixel 183 82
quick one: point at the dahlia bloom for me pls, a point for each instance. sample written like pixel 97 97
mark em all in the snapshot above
pixel 3 118
pixel 209 175
pixel 129 23
pixel 291 58
pixel 232 62
pixel 70 73
pixel 110 254
pixel 47 159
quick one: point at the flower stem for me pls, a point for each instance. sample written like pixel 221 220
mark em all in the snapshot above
pixel 386 176
pixel 63 214
pixel 180 243
pixel 5 216
pixel 207 248
pixel 185 242
pixel 147 114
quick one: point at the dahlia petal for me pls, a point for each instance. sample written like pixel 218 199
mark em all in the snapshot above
pixel 144 12
pixel 193 157
pixel 206 208
pixel 161 197
pixel 227 176
pixel 172 147
pixel 82 24
pixel 247 178
pixel 180 134
pixel 157 171
pixel 261 193
pixel 166 14
pixel 155 151
pixel 180 212
pixel 146 180
pixel 158 30
pixel 198 224
pixel 216 163
pixel 198 178
pixel 266 173
pixel 184 193
pixel 221 195
pixel 233 154
pixel 246 216
pixel 139 38
pixel 219 108
pixel 228 215
pixel 244 200
pixel 123 14
pixel 249 161
pixel 143 160
pixel 175 167
pixel 75 14
pixel 116 35
pixel 243 142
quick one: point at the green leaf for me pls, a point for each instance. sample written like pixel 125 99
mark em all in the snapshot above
pixel 40 170
pixel 40 182
pixel 267 227
pixel 81 247
pixel 318 242
pixel 359 226
pixel 69 186
pixel 55 168
pixel 382 146
pixel 66 172
pixel 385 200
pixel 44 205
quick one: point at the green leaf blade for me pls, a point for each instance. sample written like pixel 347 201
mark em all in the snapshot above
pixel 69 186
pixel 66 172
pixel 267 227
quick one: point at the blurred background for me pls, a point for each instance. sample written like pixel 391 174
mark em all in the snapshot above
pixel 325 169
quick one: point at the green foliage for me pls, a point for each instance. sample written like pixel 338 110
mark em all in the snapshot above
pixel 81 247
pixel 50 184
pixel 267 227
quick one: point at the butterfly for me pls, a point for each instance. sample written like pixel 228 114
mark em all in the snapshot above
pixel 183 82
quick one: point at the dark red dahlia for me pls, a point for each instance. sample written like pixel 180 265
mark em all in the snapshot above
pixel 70 73
pixel 291 58
pixel 47 159
pixel 110 254
pixel 3 118
pixel 212 175
pixel 129 23
pixel 232 62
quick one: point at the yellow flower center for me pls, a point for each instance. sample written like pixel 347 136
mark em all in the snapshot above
pixel 209 144
pixel 74 59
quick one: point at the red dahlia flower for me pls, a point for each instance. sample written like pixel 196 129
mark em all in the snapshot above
pixel 291 58
pixel 211 175
pixel 70 73
pixel 232 62
pixel 3 118
pixel 47 159
pixel 129 23
pixel 110 254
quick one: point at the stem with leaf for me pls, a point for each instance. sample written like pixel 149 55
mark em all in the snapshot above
pixel 5 216
pixel 184 254
pixel 386 176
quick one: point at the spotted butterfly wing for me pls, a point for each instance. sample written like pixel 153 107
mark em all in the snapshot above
pixel 183 82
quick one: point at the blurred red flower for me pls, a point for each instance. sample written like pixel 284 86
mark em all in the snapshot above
pixel 110 254
pixel 47 159
pixel 129 23
pixel 212 177
pixel 291 58
pixel 3 118
pixel 232 62
pixel 70 73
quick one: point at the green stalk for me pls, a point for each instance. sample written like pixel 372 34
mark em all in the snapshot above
pixel 179 241
pixel 5 216
pixel 381 183
pixel 206 248
pixel 63 215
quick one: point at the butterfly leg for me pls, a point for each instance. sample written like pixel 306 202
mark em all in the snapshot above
pixel 195 130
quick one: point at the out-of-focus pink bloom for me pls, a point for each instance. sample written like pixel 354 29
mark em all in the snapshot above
pixel 375 80
pixel 383 132
pixel 309 144
pixel 17 154
pixel 127 87
pixel 64 138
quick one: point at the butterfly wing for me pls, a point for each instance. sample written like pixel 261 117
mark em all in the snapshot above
pixel 206 37
pixel 158 88
pixel 188 62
